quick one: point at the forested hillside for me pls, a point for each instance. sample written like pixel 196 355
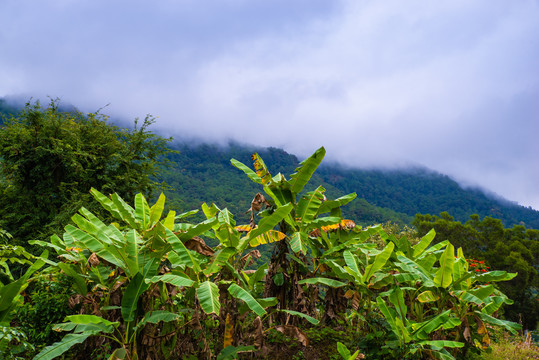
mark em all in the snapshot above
pixel 202 173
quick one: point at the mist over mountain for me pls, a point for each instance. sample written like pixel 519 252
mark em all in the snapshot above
pixel 202 172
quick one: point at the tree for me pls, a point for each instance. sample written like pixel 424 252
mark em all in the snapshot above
pixel 51 158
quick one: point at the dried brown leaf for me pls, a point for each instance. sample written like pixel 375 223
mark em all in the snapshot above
pixel 198 245
pixel 253 254
pixel 294 332
pixel 259 332
pixel 93 260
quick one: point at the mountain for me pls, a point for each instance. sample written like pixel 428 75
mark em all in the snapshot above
pixel 203 173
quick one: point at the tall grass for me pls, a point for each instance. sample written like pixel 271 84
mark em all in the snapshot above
pixel 514 348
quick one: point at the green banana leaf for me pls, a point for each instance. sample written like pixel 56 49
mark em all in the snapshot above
pixel 155 317
pixel 172 279
pixel 127 212
pixel 412 267
pixel 302 315
pixel 79 283
pixel 208 297
pixel 84 239
pixel 269 222
pixel 439 344
pixel 142 211
pixel 396 297
pixel 257 276
pixel 86 319
pixel 444 275
pixel 394 322
pixel 443 320
pixel 185 214
pixel 324 281
pixel 423 243
pixel 305 171
pixel 332 204
pixel 106 203
pixel 482 292
pixel 242 294
pixel 493 303
pixel 250 173
pixel 156 211
pixel 198 229
pixel 218 260
pixel 10 291
pixel 297 242
pixel 508 325
pixel 231 352
pixel 60 347
pixel 183 253
pixel 352 266
pixel 496 275
pixel 379 262
pixel 136 287
pixel 309 204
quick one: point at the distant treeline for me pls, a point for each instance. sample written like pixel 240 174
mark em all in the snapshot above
pixel 201 173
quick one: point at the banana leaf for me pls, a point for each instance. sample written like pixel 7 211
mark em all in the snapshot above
pixel 60 347
pixel 444 275
pixel 309 204
pixel 172 279
pixel 156 211
pixel 127 212
pixel 424 243
pixel 142 211
pixel 305 171
pixel 379 262
pixel 269 222
pixel 323 281
pixel 305 316
pixel 208 297
pixel 332 204
pixel 242 294
pixel 250 173
pixel 298 242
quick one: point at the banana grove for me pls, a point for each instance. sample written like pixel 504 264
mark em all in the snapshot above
pixel 148 285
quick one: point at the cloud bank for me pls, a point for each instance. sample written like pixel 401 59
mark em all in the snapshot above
pixel 452 85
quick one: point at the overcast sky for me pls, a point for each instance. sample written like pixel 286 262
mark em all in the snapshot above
pixel 451 85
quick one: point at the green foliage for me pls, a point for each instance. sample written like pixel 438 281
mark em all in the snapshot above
pixel 148 285
pixel 47 304
pixel 51 159
pixel 202 173
pixel 515 250
pixel 14 344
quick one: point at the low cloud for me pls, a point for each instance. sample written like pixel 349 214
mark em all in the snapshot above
pixel 450 85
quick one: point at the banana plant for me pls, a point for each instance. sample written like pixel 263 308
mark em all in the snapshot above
pixel 301 216
pixel 134 254
pixel 9 292
pixel 426 298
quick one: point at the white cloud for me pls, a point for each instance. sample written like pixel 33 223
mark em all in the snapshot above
pixel 451 85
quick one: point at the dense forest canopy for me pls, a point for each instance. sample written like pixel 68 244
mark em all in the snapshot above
pixel 51 158
pixel 383 195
